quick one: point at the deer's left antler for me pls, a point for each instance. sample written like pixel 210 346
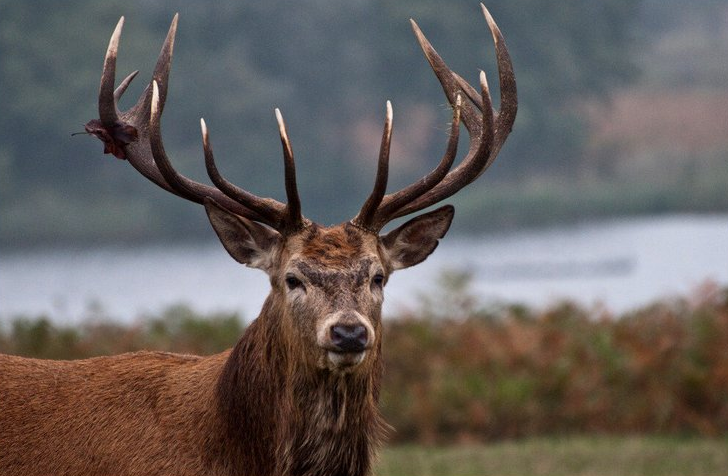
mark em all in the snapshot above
pixel 488 130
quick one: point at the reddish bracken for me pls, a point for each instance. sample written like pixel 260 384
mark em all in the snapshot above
pixel 298 393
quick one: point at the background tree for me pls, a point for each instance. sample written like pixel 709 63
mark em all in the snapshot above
pixel 330 66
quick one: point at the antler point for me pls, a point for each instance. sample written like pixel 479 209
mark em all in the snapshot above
pixel 155 99
pixel 494 30
pixel 281 123
pixel 114 41
pixel 483 80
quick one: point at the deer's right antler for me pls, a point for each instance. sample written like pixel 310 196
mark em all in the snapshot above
pixel 135 135
pixel 488 130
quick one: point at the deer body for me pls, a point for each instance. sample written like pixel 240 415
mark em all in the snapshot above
pixel 274 404
pixel 298 393
pixel 139 413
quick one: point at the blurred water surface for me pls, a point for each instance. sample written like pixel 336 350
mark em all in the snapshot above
pixel 620 263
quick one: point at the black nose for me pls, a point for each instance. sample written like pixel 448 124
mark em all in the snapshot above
pixel 349 338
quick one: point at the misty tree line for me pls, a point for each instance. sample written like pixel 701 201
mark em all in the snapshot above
pixel 330 66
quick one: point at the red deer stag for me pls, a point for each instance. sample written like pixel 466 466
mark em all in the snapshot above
pixel 297 395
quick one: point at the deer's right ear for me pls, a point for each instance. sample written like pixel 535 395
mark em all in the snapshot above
pixel 248 242
pixel 412 242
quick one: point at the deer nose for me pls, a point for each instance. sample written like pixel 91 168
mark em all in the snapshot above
pixel 349 338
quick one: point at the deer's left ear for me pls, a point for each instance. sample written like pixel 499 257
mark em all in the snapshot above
pixel 412 242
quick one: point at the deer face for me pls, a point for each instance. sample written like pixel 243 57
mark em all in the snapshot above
pixel 332 280
pixel 328 283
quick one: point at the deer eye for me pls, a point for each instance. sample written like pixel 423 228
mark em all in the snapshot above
pixel 378 280
pixel 293 282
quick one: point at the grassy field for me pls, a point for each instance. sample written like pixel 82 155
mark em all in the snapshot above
pixel 573 456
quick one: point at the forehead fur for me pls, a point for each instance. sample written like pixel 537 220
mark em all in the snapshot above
pixel 337 246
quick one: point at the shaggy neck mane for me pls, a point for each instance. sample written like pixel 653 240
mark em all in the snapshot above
pixel 284 417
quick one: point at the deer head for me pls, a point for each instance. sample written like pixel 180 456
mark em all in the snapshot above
pixel 327 282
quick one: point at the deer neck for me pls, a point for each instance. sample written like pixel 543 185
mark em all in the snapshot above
pixel 312 421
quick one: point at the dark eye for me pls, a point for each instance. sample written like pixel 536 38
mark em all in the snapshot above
pixel 378 280
pixel 293 282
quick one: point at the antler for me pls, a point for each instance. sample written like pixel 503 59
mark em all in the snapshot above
pixel 135 135
pixel 488 130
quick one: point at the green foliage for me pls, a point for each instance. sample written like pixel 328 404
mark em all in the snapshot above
pixel 177 329
pixel 181 328
pixel 469 372
pixel 566 369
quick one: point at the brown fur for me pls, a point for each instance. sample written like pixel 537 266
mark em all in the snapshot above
pixel 332 247
pixel 140 413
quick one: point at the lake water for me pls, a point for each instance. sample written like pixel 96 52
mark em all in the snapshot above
pixel 620 264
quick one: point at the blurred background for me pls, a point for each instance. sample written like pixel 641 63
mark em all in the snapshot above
pixel 604 219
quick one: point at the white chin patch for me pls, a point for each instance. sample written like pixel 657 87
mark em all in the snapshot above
pixel 344 360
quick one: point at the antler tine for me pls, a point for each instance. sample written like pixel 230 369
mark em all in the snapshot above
pixel 118 92
pixel 180 184
pixel 447 80
pixel 269 211
pixel 164 64
pixel 139 113
pixel 478 159
pixel 107 99
pixel 507 83
pixel 366 215
pixel 487 128
pixel 394 201
pixel 294 219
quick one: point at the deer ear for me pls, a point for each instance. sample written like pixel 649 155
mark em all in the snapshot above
pixel 248 242
pixel 412 242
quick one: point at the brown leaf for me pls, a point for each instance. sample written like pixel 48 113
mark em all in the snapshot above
pixel 114 137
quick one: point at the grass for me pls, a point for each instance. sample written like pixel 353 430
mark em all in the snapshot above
pixel 573 456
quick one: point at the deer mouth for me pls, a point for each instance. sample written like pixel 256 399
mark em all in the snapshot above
pixel 345 360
